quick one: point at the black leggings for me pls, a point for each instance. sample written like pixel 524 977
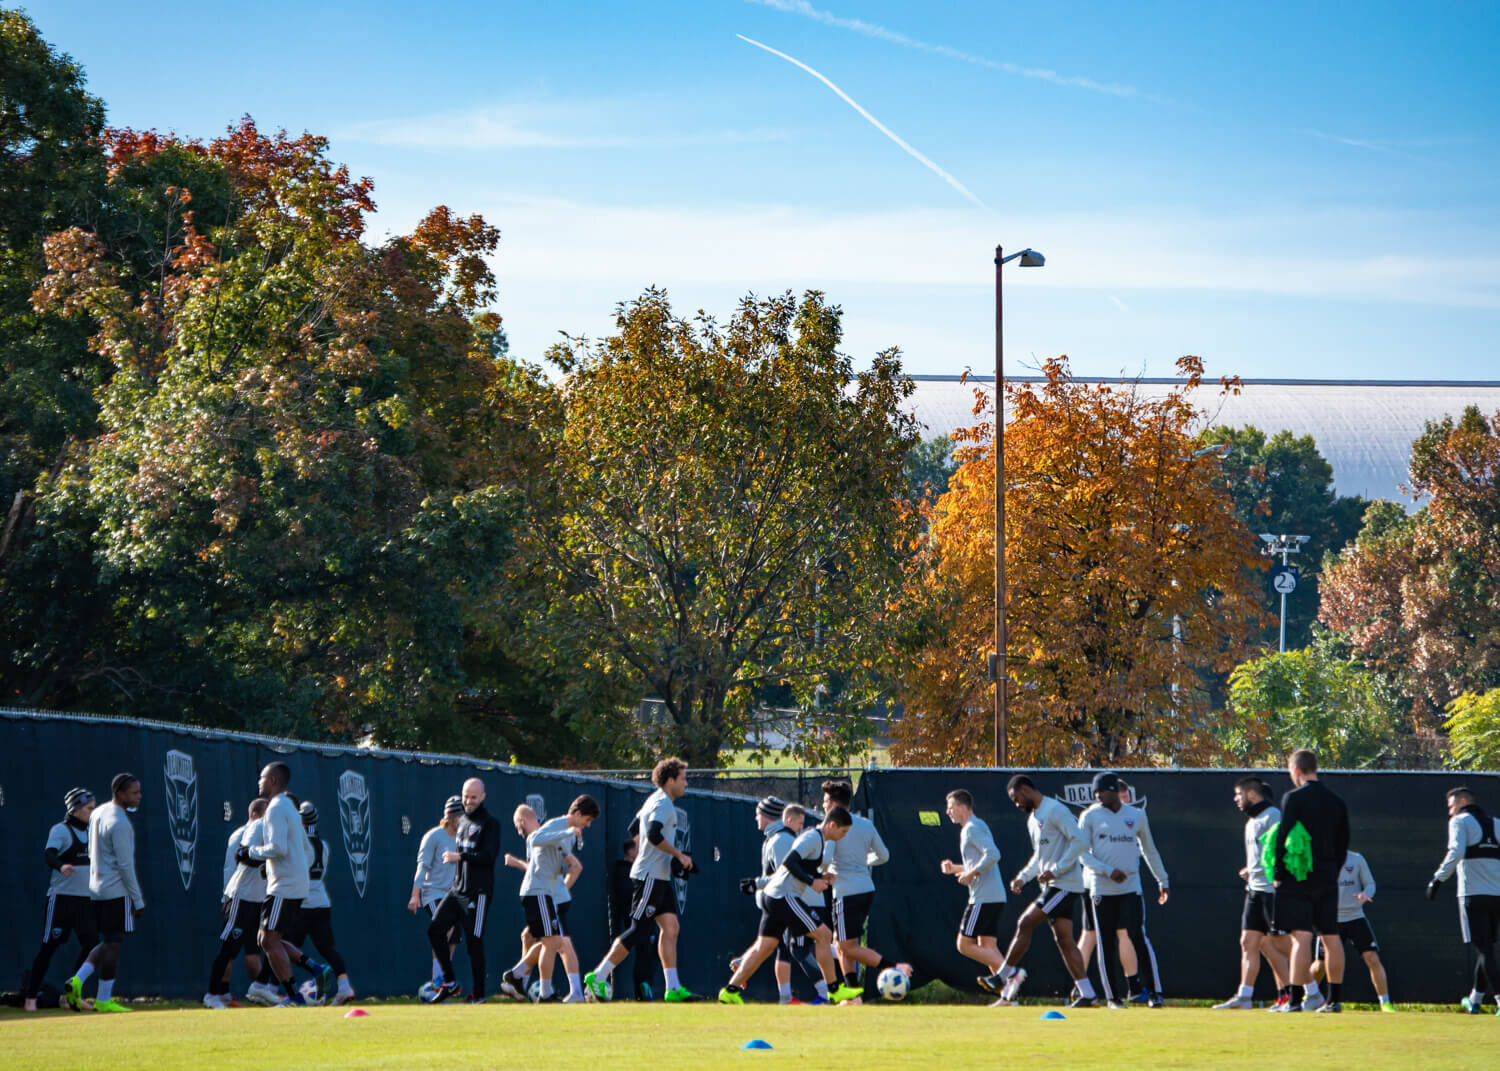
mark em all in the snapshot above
pixel 317 923
pixel 66 915
pixel 469 912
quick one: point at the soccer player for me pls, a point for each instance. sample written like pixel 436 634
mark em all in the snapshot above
pixel 1474 852
pixel 1056 846
pixel 315 919
pixel 1356 889
pixel 244 893
pixel 979 872
pixel 777 839
pixel 114 889
pixel 1306 875
pixel 1116 837
pixel 469 900
pixel 434 878
pixel 787 912
pixel 285 850
pixel 549 855
pixel 847 866
pixel 653 897
pixel 1258 933
pixel 621 889
pixel 70 910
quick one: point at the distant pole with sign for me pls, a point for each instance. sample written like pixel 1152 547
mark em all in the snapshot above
pixel 1283 576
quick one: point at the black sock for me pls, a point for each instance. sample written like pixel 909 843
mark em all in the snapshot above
pixel 1133 984
pixel 851 979
pixel 1284 991
pixel 1333 991
pixel 734 988
pixel 289 984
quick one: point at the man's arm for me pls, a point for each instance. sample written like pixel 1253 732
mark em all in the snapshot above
pixel 275 838
pixel 57 843
pixel 1073 845
pixel 1366 879
pixel 487 850
pixel 800 868
pixel 1458 843
pixel 879 854
pixel 574 871
pixel 123 837
pixel 1153 857
pixel 989 855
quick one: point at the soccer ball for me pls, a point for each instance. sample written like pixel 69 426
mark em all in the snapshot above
pixel 893 984
pixel 534 990
pixel 425 990
pixel 309 990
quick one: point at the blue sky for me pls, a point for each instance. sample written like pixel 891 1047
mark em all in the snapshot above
pixel 1289 190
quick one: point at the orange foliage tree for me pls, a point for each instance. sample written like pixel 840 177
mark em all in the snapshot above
pixel 1127 577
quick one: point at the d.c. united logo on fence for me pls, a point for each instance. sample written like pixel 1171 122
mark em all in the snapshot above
pixel 182 810
pixel 1082 796
pixel 354 818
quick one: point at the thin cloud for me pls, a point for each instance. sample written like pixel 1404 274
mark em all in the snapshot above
pixel 1117 303
pixel 881 33
pixel 1365 143
pixel 876 123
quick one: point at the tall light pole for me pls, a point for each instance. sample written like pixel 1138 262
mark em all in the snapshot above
pixel 1029 258
pixel 1285 578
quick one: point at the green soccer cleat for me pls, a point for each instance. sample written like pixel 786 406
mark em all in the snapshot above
pixel 726 997
pixel 1472 1007
pixel 1386 1006
pixel 73 990
pixel 681 995
pixel 845 992
pixel 598 989
pixel 110 1005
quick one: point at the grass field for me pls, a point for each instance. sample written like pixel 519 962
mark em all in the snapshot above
pixel 623 1037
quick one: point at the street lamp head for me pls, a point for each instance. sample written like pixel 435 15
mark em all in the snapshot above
pixel 1030 258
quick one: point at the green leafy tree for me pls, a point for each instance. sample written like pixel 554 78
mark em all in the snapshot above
pixel 1316 697
pixel 1473 726
pixel 1282 484
pixel 930 464
pixel 733 517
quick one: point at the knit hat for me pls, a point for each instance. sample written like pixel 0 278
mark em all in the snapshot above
pixel 309 813
pixel 455 805
pixel 770 806
pixel 76 798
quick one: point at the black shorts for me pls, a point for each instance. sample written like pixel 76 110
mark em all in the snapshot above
pixel 981 920
pixel 113 918
pixel 1259 914
pixel 70 914
pixel 651 898
pixel 1479 920
pixel 562 912
pixel 542 919
pixel 787 919
pixel 1056 903
pixel 1359 932
pixel 1115 911
pixel 241 923
pixel 849 915
pixel 280 914
pixel 1308 908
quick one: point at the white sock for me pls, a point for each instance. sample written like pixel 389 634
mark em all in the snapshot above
pixel 1310 989
pixel 1475 996
pixel 604 970
pixel 1007 970
pixel 1085 988
pixel 344 986
pixel 521 970
pixel 822 988
pixel 106 989
pixel 786 990
pixel 1246 992
pixel 86 971
pixel 546 987
pixel 575 985
pixel 671 973
pixel 1385 998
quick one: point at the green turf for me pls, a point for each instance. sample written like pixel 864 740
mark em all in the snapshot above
pixel 624 1037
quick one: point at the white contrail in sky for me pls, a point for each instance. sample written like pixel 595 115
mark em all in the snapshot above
pixel 876 123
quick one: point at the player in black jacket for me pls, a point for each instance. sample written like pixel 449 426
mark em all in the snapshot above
pixel 473 887
pixel 1310 904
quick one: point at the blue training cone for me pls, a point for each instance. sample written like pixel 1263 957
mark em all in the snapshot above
pixel 756 1043
pixel 1053 1015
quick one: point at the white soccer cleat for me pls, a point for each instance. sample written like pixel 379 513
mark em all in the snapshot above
pixel 1235 1004
pixel 214 1002
pixel 1314 1002
pixel 1003 1002
pixel 575 998
pixel 265 995
pixel 344 995
pixel 1012 988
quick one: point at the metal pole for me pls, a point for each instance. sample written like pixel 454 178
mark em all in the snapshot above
pixel 1283 607
pixel 1002 722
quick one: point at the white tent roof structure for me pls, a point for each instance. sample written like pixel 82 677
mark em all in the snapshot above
pixel 1364 428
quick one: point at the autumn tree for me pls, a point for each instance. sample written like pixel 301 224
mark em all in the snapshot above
pixel 1419 597
pixel 1127 576
pixel 1473 725
pixel 733 519
pixel 1283 484
pixel 308 463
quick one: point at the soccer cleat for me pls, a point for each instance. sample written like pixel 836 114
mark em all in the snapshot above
pixel 1143 997
pixel 214 1002
pixel 1282 1003
pixel 845 992
pixel 512 987
pixel 110 1005
pixel 991 983
pixel 728 997
pixel 819 1001
pixel 1082 1001
pixel 1117 1005
pixel 1387 1006
pixel 344 994
pixel 1155 1001
pixel 327 983
pixel 444 991
pixel 1236 1004
pixel 574 998
pixel 1002 1002
pixel 1472 1007
pixel 478 998
pixel 73 992
pixel 681 995
pixel 791 1002
pixel 1314 1002
pixel 1013 985
pixel 1331 1006
pixel 263 994
pixel 1292 1006
pixel 596 987
pixel 643 992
